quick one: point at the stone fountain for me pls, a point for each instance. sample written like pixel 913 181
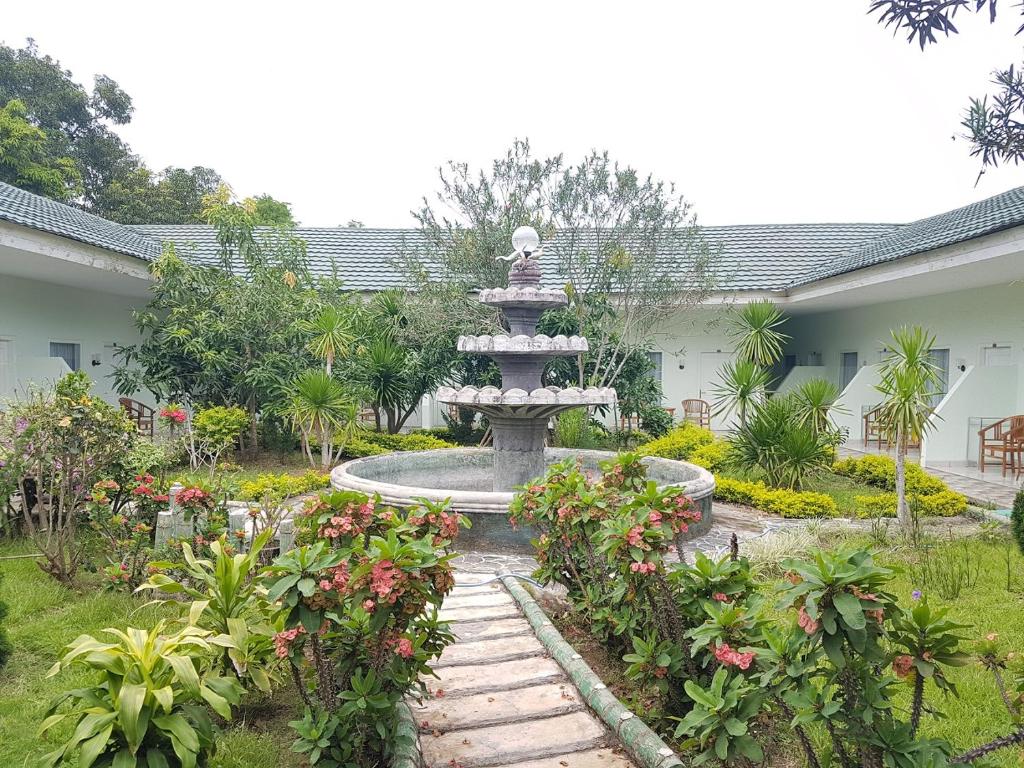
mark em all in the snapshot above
pixel 480 482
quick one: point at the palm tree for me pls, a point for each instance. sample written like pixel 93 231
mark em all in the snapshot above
pixel 332 335
pixel 909 378
pixel 384 370
pixel 321 409
pixel 815 402
pixel 743 386
pixel 755 334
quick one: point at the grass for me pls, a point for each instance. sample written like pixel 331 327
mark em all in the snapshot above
pixel 45 616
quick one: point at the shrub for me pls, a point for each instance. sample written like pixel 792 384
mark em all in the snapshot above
pixel 572 429
pixel 282 486
pixel 413 441
pixel 357 448
pixel 211 432
pixel 679 444
pixel 655 420
pixel 712 456
pixel 148 704
pixel 1017 519
pixel 780 501
pixel 64 442
pixel 942 504
pixel 880 471
pixel 359 610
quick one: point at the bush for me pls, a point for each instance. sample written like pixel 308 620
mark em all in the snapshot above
pixel 880 471
pixel 148 703
pixel 1017 519
pixel 655 420
pixel 942 504
pixel 779 501
pixel 679 444
pixel 413 441
pixel 282 486
pixel 359 610
pixel 712 456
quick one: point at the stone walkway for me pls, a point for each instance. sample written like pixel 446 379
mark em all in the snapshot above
pixel 500 700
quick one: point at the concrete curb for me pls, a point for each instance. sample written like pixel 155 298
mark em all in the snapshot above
pixel 643 744
pixel 407 755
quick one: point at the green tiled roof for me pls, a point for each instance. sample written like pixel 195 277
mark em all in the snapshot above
pixel 29 210
pixel 754 257
pixel 981 218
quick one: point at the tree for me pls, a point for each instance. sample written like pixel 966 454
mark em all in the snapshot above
pixel 995 129
pixel 331 335
pixel 272 213
pixel 173 196
pixel 626 246
pixel 322 410
pixel 230 334
pixel 25 162
pixel 909 378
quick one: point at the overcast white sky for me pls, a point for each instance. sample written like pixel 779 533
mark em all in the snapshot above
pixel 784 111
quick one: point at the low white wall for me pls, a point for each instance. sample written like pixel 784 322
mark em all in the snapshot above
pixel 799 374
pixel 37 372
pixel 987 392
pixel 859 394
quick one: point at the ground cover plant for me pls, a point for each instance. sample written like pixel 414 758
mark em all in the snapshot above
pixel 857 673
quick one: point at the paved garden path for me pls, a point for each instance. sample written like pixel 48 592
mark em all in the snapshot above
pixel 500 700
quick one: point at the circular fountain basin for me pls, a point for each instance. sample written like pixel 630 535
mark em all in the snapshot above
pixel 465 477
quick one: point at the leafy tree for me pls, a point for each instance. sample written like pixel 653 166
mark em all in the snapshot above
pixel 272 213
pixel 25 162
pixel 909 378
pixel 228 334
pixel 995 128
pixel 323 411
pixel 173 196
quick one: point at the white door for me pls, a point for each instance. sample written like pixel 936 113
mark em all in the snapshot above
pixel 711 364
pixel 998 354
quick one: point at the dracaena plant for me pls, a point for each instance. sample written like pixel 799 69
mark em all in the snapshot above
pixel 228 600
pixel 149 702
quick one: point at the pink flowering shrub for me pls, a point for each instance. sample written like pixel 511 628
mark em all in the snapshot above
pixel 358 602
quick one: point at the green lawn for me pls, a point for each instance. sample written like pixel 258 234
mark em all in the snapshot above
pixel 44 617
pixel 842 489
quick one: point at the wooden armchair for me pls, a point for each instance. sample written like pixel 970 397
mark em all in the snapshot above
pixel 1002 441
pixel 143 416
pixel 873 431
pixel 697 412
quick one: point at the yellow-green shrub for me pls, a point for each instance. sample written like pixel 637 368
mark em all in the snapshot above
pixel 942 504
pixel 369 443
pixel 712 456
pixel 778 501
pixel 679 444
pixel 880 471
pixel 282 486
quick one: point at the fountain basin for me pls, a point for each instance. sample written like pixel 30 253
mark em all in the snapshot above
pixel 466 477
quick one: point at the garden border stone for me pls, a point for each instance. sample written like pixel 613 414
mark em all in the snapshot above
pixel 643 744
pixel 407 755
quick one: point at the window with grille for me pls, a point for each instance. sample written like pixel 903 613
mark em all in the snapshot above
pixel 655 358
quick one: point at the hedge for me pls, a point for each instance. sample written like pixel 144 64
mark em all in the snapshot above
pixel 712 456
pixel 942 504
pixel 880 471
pixel 786 503
pixel 368 443
pixel 282 486
pixel 679 444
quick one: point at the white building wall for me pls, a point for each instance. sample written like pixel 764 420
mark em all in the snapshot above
pixel 965 322
pixel 988 393
pixel 34 313
pixel 693 345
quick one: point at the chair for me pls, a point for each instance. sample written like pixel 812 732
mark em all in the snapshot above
pixel 1002 441
pixel 872 429
pixel 143 416
pixel 697 412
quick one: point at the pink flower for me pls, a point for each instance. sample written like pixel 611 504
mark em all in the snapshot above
pixel 369 605
pixel 635 536
pixel 807 624
pixel 902 664
pixel 326 585
pixel 404 648
pixel 730 658
pixel 655 517
pixel 720 597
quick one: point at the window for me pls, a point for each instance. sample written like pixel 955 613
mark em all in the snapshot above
pixel 69 351
pixel 940 359
pixel 656 360
pixel 847 368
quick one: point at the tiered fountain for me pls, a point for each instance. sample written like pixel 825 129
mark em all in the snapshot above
pixel 480 481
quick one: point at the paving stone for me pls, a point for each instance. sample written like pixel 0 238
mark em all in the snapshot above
pixel 479 600
pixel 488 651
pixel 470 631
pixel 479 613
pixel 496 707
pixel 502 675
pixel 592 758
pixel 503 744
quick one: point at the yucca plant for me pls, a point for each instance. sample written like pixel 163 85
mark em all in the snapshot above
pixel 332 334
pixel 148 706
pixel 815 402
pixel 775 442
pixel 384 371
pixel 754 330
pixel 909 378
pixel 743 385
pixel 321 409
pixel 228 601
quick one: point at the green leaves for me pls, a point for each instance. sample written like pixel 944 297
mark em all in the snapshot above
pixel 720 719
pixel 754 329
